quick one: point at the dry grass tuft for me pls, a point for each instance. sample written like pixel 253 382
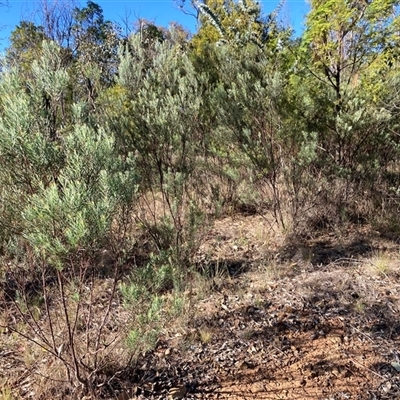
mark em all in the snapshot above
pixel 381 263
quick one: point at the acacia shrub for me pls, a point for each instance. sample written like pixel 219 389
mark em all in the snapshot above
pixel 160 119
pixel 63 185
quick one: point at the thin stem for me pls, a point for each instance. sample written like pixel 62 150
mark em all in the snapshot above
pixel 71 340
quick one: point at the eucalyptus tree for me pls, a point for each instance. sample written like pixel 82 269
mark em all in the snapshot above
pixel 88 44
pixel 95 45
pixel 25 45
pixel 95 39
pixel 56 18
pixel 239 23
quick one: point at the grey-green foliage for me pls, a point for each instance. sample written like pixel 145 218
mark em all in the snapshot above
pixel 363 130
pixel 166 102
pixel 147 295
pixel 247 98
pixel 61 181
pixel 161 120
pixel 30 155
pixel 77 211
pixel 249 119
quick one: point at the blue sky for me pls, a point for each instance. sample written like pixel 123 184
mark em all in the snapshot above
pixel 160 11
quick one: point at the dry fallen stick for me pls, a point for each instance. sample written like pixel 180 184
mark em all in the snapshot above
pixel 362 333
pixel 363 366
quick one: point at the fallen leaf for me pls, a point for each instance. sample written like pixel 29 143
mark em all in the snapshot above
pixel 395 365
